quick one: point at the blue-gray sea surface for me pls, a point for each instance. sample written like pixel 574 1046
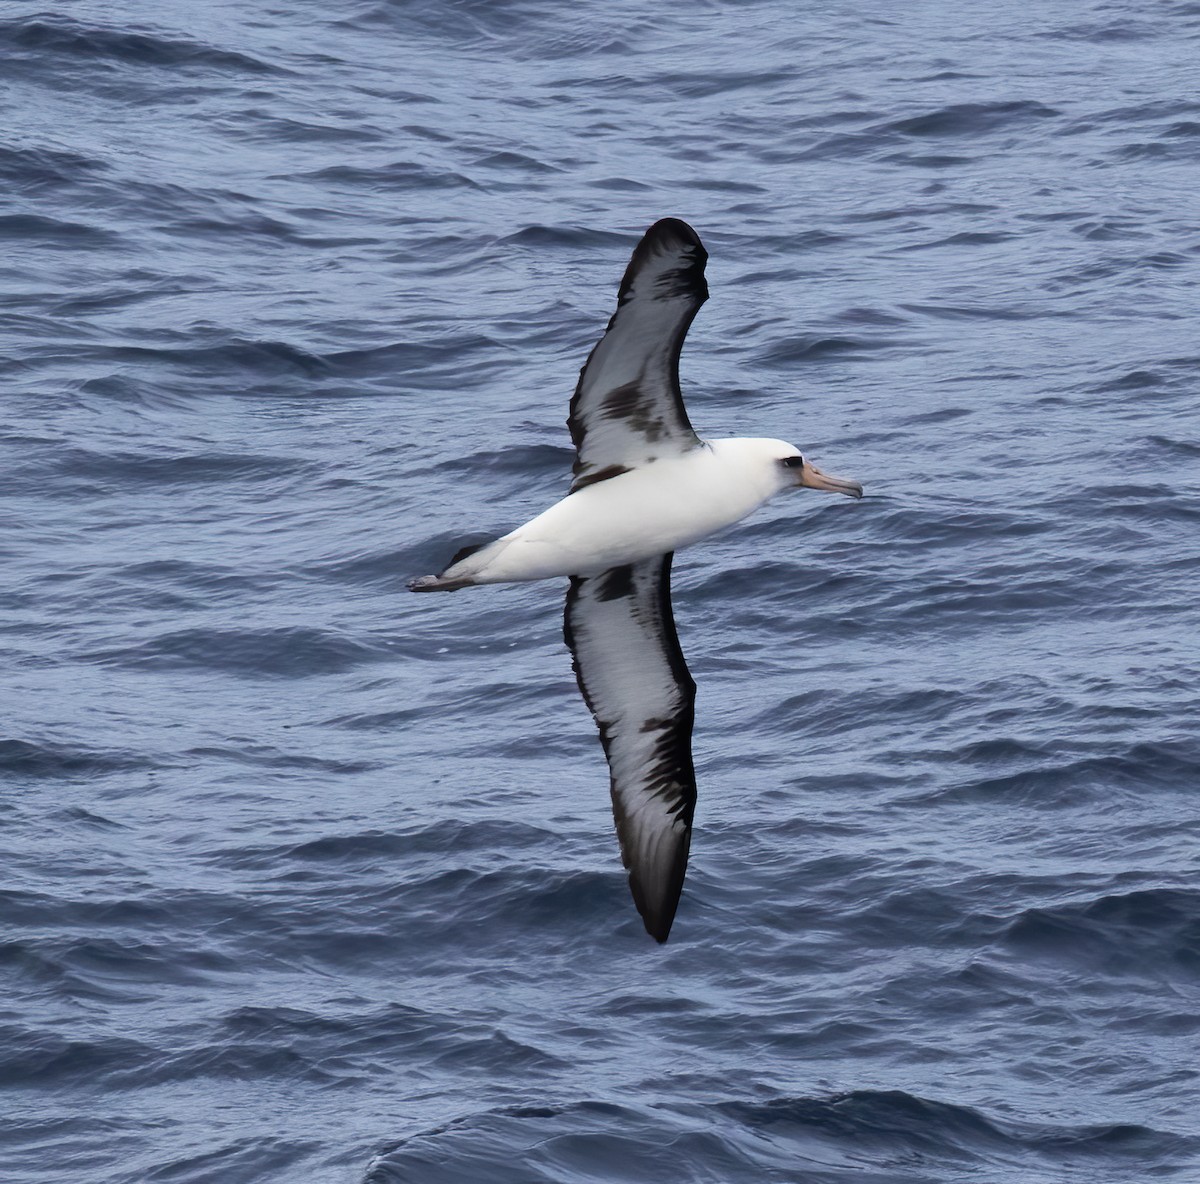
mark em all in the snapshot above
pixel 308 879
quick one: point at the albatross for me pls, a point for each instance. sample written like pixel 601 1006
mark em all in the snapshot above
pixel 644 485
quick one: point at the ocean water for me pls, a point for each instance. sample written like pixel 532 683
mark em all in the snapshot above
pixel 305 878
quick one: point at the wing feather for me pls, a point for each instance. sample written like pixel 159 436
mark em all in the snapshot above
pixel 627 408
pixel 633 676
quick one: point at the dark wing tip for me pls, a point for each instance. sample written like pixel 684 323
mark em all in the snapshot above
pixel 657 884
pixel 657 915
pixel 670 236
pixel 674 231
pixel 658 910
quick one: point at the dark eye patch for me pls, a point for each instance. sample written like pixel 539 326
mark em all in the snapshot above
pixel 793 462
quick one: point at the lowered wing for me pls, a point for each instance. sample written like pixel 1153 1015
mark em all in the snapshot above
pixel 633 676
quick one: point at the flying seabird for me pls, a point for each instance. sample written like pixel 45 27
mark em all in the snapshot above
pixel 644 485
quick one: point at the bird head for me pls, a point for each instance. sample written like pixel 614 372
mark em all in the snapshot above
pixel 803 474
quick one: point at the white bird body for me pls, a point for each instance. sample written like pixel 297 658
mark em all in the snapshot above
pixel 658 507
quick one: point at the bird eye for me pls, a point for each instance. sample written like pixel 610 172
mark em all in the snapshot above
pixel 794 462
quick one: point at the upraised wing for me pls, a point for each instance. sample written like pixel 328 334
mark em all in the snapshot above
pixel 628 408
pixel 633 676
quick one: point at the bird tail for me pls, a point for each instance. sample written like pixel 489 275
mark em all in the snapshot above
pixel 443 581
pixel 437 584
